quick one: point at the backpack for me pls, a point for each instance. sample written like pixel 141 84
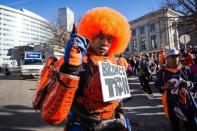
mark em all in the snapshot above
pixel 43 83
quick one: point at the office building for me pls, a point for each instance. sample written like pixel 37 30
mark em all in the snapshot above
pixel 20 27
pixel 65 19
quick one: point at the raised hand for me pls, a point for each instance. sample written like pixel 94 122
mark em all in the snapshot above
pixel 75 50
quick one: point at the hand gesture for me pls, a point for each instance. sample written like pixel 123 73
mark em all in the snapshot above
pixel 75 50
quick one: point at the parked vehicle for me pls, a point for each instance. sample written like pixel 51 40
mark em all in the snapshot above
pixel 32 64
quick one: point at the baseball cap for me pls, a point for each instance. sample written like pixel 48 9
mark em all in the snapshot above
pixel 172 52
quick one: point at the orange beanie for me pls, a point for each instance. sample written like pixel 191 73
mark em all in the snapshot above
pixel 109 22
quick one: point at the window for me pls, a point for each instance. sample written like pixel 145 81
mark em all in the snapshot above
pixel 153 42
pixel 143 43
pixel 152 27
pixel 142 29
pixel 6 59
pixel 134 32
pixel 134 45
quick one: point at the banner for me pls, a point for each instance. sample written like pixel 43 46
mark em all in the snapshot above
pixel 114 81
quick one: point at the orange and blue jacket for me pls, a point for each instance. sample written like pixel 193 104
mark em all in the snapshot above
pixel 82 92
pixel 89 98
pixel 166 74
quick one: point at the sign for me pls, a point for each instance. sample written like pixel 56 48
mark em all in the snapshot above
pixel 32 55
pixel 114 83
pixel 184 39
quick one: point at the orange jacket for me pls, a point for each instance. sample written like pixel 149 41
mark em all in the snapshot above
pixel 189 60
pixel 122 61
pixel 161 59
pixel 165 104
pixel 91 98
pixel 62 90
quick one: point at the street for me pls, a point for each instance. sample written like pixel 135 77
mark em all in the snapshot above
pixel 16 113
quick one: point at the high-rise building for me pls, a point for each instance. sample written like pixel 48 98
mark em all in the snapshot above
pixel 19 27
pixel 65 19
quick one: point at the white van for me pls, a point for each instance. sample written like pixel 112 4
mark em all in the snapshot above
pixel 32 64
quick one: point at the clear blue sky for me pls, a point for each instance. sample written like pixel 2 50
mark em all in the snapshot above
pixel 48 8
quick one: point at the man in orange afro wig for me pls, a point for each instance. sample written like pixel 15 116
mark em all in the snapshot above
pixel 109 22
pixel 102 33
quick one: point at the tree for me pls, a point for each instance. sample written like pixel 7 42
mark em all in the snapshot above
pixel 59 39
pixel 189 10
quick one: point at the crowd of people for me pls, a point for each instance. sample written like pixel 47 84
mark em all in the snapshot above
pixel 158 60
pixel 175 76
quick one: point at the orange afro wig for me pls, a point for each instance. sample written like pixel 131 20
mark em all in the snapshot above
pixel 109 22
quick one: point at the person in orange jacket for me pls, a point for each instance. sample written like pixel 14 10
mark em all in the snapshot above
pixel 162 58
pixel 187 56
pixel 123 61
pixel 74 86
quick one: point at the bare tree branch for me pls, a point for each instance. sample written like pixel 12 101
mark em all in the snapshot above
pixel 191 3
pixel 187 6
pixel 59 40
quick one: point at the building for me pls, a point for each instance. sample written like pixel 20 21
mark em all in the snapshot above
pixel 154 31
pixel 66 19
pixel 20 27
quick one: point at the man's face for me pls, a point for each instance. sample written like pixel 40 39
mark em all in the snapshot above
pixel 173 60
pixel 101 44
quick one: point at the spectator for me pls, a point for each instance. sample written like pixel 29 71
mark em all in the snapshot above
pixel 75 93
pixel 136 67
pixel 122 61
pixel 194 69
pixel 162 58
pixel 187 57
pixel 132 62
pixel 172 80
pixel 145 74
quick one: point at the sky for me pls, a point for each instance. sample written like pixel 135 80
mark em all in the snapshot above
pixel 48 9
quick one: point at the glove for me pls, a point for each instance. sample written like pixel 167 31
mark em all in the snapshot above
pixel 75 50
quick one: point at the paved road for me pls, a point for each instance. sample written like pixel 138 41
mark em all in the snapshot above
pixel 16 113
pixel 148 113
